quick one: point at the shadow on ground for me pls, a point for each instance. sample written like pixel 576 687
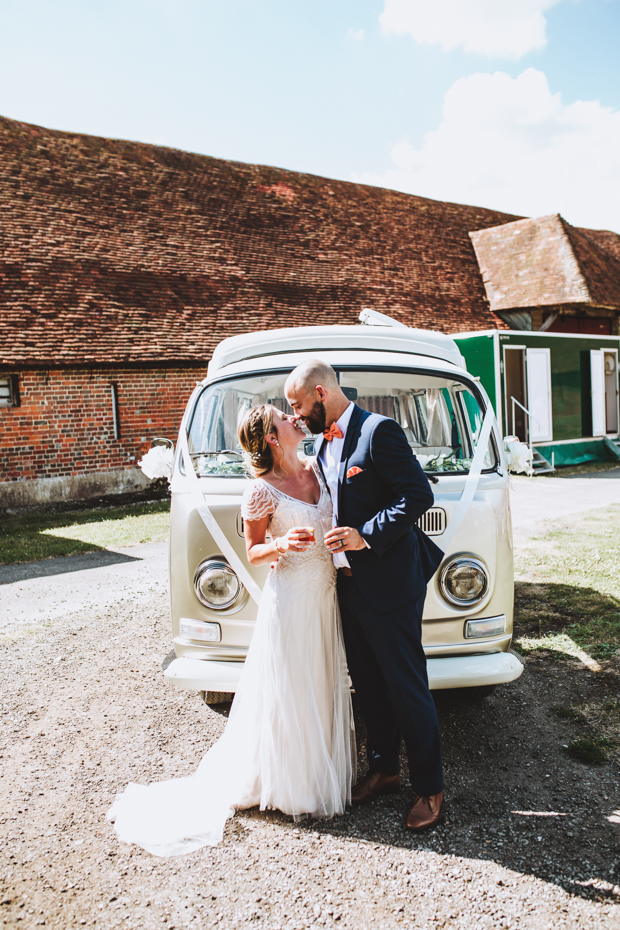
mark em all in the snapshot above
pixel 23 571
pixel 514 794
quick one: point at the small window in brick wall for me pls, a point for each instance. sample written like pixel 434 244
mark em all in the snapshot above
pixel 9 391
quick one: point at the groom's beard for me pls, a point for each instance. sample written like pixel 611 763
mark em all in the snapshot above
pixel 316 420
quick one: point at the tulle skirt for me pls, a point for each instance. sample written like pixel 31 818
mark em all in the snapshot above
pixel 289 742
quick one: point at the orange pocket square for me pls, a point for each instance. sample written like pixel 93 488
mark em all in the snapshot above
pixel 354 471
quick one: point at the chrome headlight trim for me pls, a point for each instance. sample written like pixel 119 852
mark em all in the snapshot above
pixel 457 562
pixel 216 565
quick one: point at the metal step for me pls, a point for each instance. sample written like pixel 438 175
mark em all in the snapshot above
pixel 613 445
pixel 540 465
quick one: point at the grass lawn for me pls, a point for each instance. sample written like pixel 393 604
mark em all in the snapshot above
pixel 568 586
pixel 567 608
pixel 29 537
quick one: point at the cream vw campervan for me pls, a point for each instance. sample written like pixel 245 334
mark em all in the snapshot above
pixel 419 378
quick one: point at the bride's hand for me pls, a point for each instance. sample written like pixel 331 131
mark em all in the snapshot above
pixel 297 539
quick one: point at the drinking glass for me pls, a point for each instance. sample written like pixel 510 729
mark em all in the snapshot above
pixel 322 526
pixel 303 516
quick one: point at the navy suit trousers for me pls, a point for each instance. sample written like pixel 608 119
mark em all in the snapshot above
pixel 388 670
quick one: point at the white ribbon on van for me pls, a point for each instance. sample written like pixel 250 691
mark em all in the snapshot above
pixel 471 485
pixel 218 534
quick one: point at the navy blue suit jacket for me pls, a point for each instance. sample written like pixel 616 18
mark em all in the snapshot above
pixel 383 502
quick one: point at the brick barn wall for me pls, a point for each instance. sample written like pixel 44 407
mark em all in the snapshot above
pixel 64 425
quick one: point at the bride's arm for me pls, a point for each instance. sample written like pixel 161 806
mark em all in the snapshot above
pixel 259 551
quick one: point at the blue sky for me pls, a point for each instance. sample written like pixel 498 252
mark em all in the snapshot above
pixel 512 104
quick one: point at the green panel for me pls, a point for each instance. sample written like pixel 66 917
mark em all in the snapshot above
pixel 478 354
pixel 576 453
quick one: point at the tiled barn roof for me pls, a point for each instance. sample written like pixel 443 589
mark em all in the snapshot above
pixel 121 252
pixel 546 261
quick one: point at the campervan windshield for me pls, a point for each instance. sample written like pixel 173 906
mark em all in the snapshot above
pixel 441 417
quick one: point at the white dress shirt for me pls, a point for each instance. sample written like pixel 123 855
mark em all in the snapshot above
pixel 330 456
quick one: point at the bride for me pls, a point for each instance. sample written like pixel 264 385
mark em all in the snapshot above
pixel 289 742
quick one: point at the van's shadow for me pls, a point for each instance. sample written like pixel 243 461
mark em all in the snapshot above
pixel 513 794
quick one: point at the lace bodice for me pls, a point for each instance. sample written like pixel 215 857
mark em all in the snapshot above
pixel 261 499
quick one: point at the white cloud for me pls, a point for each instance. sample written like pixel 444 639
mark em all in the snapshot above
pixel 495 28
pixel 357 34
pixel 510 144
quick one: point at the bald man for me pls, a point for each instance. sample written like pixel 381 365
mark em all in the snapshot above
pixel 384 563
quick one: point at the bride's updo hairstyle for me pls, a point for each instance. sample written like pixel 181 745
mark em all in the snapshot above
pixel 256 425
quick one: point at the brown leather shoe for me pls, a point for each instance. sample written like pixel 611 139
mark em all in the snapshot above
pixel 374 785
pixel 425 813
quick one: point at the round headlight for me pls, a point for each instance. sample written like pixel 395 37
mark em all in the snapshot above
pixel 464 581
pixel 216 584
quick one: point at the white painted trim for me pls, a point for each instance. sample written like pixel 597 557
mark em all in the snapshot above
pixel 567 442
pixel 528 332
pixel 498 383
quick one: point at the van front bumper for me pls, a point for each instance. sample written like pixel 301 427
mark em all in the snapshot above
pixel 450 672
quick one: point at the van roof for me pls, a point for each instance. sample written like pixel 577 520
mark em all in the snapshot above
pixel 320 338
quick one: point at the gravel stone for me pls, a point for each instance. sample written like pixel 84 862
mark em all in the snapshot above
pixel 529 841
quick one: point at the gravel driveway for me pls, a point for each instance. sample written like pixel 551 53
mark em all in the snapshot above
pixel 531 838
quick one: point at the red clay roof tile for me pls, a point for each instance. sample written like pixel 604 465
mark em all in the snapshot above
pixel 117 252
pixel 546 261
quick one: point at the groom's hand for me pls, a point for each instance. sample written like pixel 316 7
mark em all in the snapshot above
pixel 344 539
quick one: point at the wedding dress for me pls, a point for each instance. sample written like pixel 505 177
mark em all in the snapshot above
pixel 289 742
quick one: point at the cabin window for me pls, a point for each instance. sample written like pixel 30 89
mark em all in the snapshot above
pixel 9 391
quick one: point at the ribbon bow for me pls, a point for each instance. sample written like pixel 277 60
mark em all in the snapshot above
pixel 334 432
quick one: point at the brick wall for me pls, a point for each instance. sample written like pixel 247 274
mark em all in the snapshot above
pixel 65 426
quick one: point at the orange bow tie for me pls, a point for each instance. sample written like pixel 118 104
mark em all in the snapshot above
pixel 334 432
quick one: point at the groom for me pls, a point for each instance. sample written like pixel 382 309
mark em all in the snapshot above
pixel 384 563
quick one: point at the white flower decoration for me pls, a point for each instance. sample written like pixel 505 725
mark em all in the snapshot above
pixel 157 463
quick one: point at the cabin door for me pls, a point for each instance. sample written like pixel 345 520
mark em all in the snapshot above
pixel 515 385
pixel 597 391
pixel 538 363
pixel 612 420
pixel 604 375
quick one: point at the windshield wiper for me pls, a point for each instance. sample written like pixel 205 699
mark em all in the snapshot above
pixel 219 452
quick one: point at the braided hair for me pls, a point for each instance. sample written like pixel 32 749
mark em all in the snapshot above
pixel 256 425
